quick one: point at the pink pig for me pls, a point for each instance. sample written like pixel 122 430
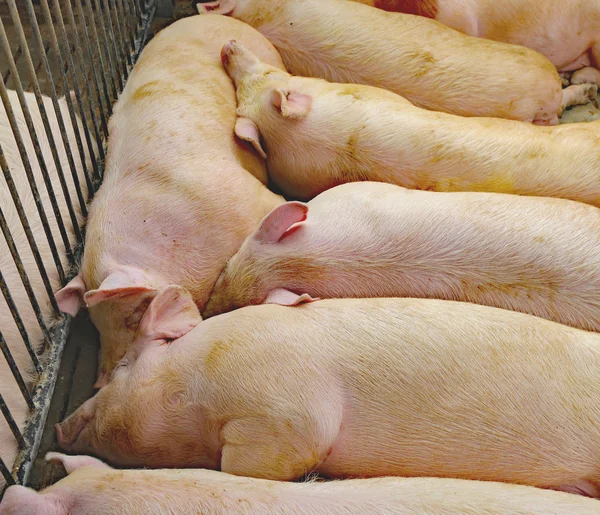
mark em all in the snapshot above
pixel 566 31
pixel 94 488
pixel 433 66
pixel 369 239
pixel 315 134
pixel 178 197
pixel 352 388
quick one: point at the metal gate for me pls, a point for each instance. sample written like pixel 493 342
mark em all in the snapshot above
pixel 63 64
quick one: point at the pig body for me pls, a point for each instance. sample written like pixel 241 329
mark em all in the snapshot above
pixel 566 32
pixel 179 194
pixel 92 488
pixel 8 386
pixel 531 254
pixel 353 388
pixel 343 132
pixel 416 57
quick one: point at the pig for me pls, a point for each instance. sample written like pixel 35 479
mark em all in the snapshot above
pixel 170 144
pixel 352 388
pixel 315 135
pixel 94 488
pixel 8 386
pixel 433 66
pixel 566 32
pixel 367 239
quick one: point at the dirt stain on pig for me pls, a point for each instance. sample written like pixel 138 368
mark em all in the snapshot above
pixel 219 350
pixel 424 63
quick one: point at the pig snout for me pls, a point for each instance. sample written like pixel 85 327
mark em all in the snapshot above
pixel 237 61
pixel 226 52
pixel 70 431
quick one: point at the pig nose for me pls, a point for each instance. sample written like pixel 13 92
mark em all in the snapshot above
pixel 227 50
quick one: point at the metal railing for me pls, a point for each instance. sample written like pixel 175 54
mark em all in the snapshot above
pixel 63 64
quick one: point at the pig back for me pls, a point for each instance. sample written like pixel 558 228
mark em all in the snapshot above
pixel 174 170
pixel 416 57
pixel 431 388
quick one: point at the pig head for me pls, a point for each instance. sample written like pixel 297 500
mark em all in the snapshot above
pixel 132 421
pixel 242 281
pixel 264 94
pixel 116 308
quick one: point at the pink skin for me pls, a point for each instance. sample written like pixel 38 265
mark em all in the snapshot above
pixel 409 55
pixel 371 239
pixel 162 215
pixel 565 32
pixel 94 488
pixel 346 396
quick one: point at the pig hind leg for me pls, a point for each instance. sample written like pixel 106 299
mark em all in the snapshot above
pixel 578 94
pixel 587 75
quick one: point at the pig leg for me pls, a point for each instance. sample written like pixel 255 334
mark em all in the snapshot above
pixel 584 488
pixel 577 95
pixel 288 447
pixel 586 75
pixel 565 78
pixel 72 463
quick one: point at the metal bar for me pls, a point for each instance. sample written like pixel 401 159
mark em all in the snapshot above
pixel 64 83
pixel 121 36
pixel 16 58
pixel 16 373
pixel 117 85
pixel 118 49
pixel 59 171
pixel 39 66
pixel 6 473
pixel 42 393
pixel 128 32
pixel 19 323
pixel 11 421
pixel 19 263
pixel 59 119
pixel 103 73
pixel 29 172
pixel 90 56
pixel 91 104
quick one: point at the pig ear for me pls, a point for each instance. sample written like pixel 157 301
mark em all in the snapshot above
pixel 218 7
pixel 120 283
pixel 26 501
pixel 72 463
pixel 171 315
pixel 278 222
pixel 291 104
pixel 247 130
pixel 285 297
pixel 70 297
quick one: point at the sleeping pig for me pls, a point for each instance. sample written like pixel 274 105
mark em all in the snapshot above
pixel 180 194
pixel 368 239
pixel 94 488
pixel 352 388
pixel 435 67
pixel 566 32
pixel 315 135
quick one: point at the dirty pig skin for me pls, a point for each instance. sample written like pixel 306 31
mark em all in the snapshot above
pixel 369 239
pixel 180 194
pixel 315 135
pixel 433 66
pixel 565 31
pixel 94 488
pixel 352 388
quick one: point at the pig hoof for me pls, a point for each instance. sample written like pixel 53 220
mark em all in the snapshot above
pixel 586 75
pixel 565 82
